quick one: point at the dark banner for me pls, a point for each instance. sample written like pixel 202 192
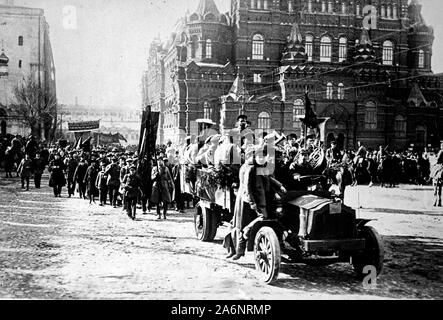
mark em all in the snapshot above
pixel 84 126
pixel 149 129
pixel 108 138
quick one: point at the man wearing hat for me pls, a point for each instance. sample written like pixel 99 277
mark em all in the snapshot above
pixel 333 154
pixel 79 176
pixel 162 188
pixel 132 186
pixel 71 164
pixel 113 171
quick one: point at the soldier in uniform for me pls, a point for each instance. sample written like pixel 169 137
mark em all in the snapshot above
pixel 57 179
pixel 38 167
pixel 162 187
pixel 79 176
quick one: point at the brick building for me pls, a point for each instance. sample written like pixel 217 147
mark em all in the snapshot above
pixel 24 36
pixel 376 85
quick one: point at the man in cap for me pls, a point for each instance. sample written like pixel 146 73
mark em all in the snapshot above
pixel 79 176
pixel 333 154
pixel 113 171
pixel 132 186
pixel 71 164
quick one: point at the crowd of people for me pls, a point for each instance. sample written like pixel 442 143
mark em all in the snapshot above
pixel 167 178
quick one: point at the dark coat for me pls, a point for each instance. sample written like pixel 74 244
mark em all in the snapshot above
pixel 161 191
pixel 80 172
pixel 57 176
pixel 132 186
pixel 71 166
pixel 38 166
pixel 90 179
pixel 113 171
pixel 25 168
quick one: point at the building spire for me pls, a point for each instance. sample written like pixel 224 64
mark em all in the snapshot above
pixel 295 51
pixel 207 6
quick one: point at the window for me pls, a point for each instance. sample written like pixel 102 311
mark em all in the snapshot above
pixel 264 121
pixel 20 64
pixel 388 53
pixel 265 5
pixel 421 133
pixel 330 7
pixel 257 47
pixel 400 127
pixel 323 6
pixel 208 49
pixel 342 49
pixel 341 92
pixel 371 116
pixel 394 12
pixel 325 49
pixel 20 41
pixel 343 8
pixel 357 9
pixel 421 59
pixel 194 46
pixel 309 45
pixel 310 6
pixel 388 12
pixel 290 7
pixel 383 12
pixel 257 78
pixel 329 91
pixel 207 110
pixel 298 110
pixel 259 4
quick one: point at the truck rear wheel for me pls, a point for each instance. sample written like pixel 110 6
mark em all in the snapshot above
pixel 373 255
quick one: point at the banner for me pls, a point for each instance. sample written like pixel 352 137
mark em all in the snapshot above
pixel 84 126
pixel 149 128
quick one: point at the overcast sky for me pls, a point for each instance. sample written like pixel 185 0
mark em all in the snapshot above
pixel 101 59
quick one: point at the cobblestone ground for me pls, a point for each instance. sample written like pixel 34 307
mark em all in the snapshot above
pixel 60 248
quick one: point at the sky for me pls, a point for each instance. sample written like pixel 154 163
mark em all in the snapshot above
pixel 100 47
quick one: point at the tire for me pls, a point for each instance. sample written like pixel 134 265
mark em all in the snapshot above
pixel 267 254
pixel 373 255
pixel 205 224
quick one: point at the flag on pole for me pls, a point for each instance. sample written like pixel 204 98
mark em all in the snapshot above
pixel 310 120
pixel 149 130
pixel 78 142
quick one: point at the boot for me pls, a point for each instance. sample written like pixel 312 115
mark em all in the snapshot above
pixel 231 254
pixel 241 248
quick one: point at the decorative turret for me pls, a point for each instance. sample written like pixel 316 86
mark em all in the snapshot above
pixel 295 51
pixel 207 10
pixel 420 39
pixel 364 50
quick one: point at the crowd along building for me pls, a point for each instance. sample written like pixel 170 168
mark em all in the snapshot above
pixel 366 65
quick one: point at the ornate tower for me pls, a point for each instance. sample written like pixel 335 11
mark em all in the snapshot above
pixel 295 51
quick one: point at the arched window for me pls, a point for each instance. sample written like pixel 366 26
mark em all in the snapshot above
pixel 371 116
pixel 330 6
pixel 209 17
pixel 290 6
pixel 253 4
pixel 194 17
pixel 309 46
pixel 329 91
pixel 388 53
pixel 394 12
pixel 342 49
pixel 194 46
pixel 207 110
pixel 265 5
pixel 357 9
pixel 310 6
pixel 421 59
pixel 341 91
pixel 20 41
pixel 259 4
pixel 383 12
pixel 389 12
pixel 400 127
pixel 257 47
pixel 323 6
pixel 208 49
pixel 421 133
pixel 343 8
pixel 264 121
pixel 325 49
pixel 298 110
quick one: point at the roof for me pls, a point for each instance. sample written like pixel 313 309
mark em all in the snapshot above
pixel 207 6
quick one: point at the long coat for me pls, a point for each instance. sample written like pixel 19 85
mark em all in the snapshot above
pixel 90 179
pixel 160 188
pixel 257 187
pixel 57 177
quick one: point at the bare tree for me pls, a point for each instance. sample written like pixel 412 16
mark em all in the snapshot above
pixel 36 106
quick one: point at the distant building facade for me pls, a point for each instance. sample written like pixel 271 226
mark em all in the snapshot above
pixel 376 86
pixel 112 120
pixel 24 36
